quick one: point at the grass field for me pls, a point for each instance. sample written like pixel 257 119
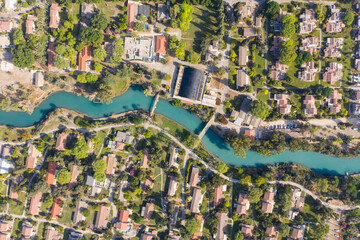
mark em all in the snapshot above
pixel 17 206
pixel 66 214
pixel 16 228
pixel 263 95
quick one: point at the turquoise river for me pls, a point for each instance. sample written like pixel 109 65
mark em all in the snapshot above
pixel 135 99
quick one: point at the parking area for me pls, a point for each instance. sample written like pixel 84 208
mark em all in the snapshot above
pixel 334 233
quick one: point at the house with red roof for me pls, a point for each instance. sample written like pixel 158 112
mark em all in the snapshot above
pixel 268 202
pixel 56 208
pixel 124 225
pixel 30 24
pixel 250 133
pixel 194 177
pixel 271 233
pixel 333 101
pixel 282 101
pixel 218 195
pixel 102 218
pixel 149 235
pixel 32 155
pixel 110 164
pixel 309 104
pixel 160 45
pixel 51 53
pixel 27 230
pixel 6 26
pixel 147 211
pixel 221 227
pixel 298 233
pixel 35 204
pixel 172 186
pixel 5 229
pixel 144 161
pixel 52 234
pixel 74 174
pixel 61 141
pixel 84 58
pixel 14 182
pixel 243 204
pixel 54 16
pixel 278 71
pixel 131 16
pixel 50 174
pixel 247 231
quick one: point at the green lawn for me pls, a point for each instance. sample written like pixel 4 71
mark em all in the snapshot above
pixel 17 206
pixel 259 64
pixel 110 8
pixel 167 124
pixel 101 135
pixel 3 188
pixel 263 95
pixel 232 66
pixel 203 25
pixel 66 214
pixel 16 228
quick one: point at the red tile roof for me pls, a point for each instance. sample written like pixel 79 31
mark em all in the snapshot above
pixel 5 26
pixel 50 175
pixel 74 173
pixel 194 177
pixel 160 44
pixel 101 217
pixel 250 133
pixel 144 161
pixel 30 162
pixel 110 160
pixel 84 56
pixel 124 215
pixel 56 209
pixel 61 142
pixel 218 196
pixel 54 15
pixel 35 204
pixel 51 54
pixel 149 209
pixel 131 17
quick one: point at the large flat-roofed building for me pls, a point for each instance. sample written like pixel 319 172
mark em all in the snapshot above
pixel 140 49
pixel 190 87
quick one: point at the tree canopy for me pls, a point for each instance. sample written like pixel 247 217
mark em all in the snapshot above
pixel 184 17
pixel 348 18
pixel 288 26
pixel 80 149
pixel 91 36
pixel 192 225
pixel 60 62
pixel 63 176
pixel 272 9
pixel 99 21
pixel 259 109
pixel 287 52
pixel 99 54
pixel 255 195
pixel 23 56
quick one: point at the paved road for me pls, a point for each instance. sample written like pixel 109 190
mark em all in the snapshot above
pixel 328 3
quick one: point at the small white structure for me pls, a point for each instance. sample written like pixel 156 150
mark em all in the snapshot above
pixel 10 4
pixel 5 166
pixel 39 79
pixel 4 41
pixel 6 65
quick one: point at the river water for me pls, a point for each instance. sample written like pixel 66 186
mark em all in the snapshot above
pixel 134 99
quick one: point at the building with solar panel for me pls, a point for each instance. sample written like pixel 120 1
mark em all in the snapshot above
pixel 190 87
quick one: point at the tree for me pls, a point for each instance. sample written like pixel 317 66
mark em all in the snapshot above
pixel 85 212
pixel 123 22
pixel 180 53
pixel 40 186
pixel 287 52
pixel 239 235
pixel 99 21
pixel 98 67
pixel 23 56
pixel 193 57
pixel 255 195
pixel 91 36
pixel 288 26
pixel 18 36
pixel 60 49
pixel 139 26
pixel 192 225
pixel 272 9
pixel 60 62
pixel 100 177
pixel 142 18
pixel 240 144
pixel 222 167
pixel 220 71
pixel 80 149
pixel 284 200
pixel 233 55
pixel 99 166
pixel 148 134
pixel 184 18
pixel 116 58
pixel 348 18
pixel 99 54
pixel 284 229
pixel 177 103
pixel 323 185
pixel 81 77
pixel 260 181
pixel 48 201
pixel 63 176
pixel 259 109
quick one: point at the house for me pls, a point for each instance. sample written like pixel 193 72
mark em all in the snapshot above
pixel 308 73
pixel 278 71
pixel 54 16
pixel 101 218
pixel 357 64
pixel 84 58
pixel 243 204
pixel 56 208
pixel 148 235
pixel 162 12
pixel 199 233
pixel 144 160
pixel 27 230
pixel 147 211
pixel 298 233
pixel 242 78
pixel 75 236
pixel 50 174
pixel 247 231
pixel 74 174
pixel 258 22
pixel 88 10
pixel 282 101
pixel 333 46
pixel 212 51
pixel 335 23
pixel 172 186
pixel 131 6
pixel 5 166
pixel 333 73
pixel 30 24
pixel 357 95
pixel 277 40
pixel 172 236
pixel 308 21
pixel 39 79
pixel 122 188
pixel 243 55
pixel 333 101
pixel 160 46
pixel 221 227
pixel 78 217
pixel 5 41
pixel 297 205
pixel 309 104
pixel 124 224
pixel 356 79
pixel 250 32
pixel 35 204
pixel 121 140
pixel 52 234
pixel 173 158
pixel 5 229
pixel 309 44
pixel 219 195
pixel 61 141
pixel 51 53
pixel 110 160
pixel 196 200
pixel 271 233
pixel 194 177
pixel 268 202
pixel 139 49
pixel 250 133
pixel 6 152
pixel 10 4
pixel 14 182
pixel 32 155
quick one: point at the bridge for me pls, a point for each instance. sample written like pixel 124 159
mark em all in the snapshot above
pixel 208 125
pixel 154 105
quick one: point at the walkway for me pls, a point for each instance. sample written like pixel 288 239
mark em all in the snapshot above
pixel 208 125
pixel 154 105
